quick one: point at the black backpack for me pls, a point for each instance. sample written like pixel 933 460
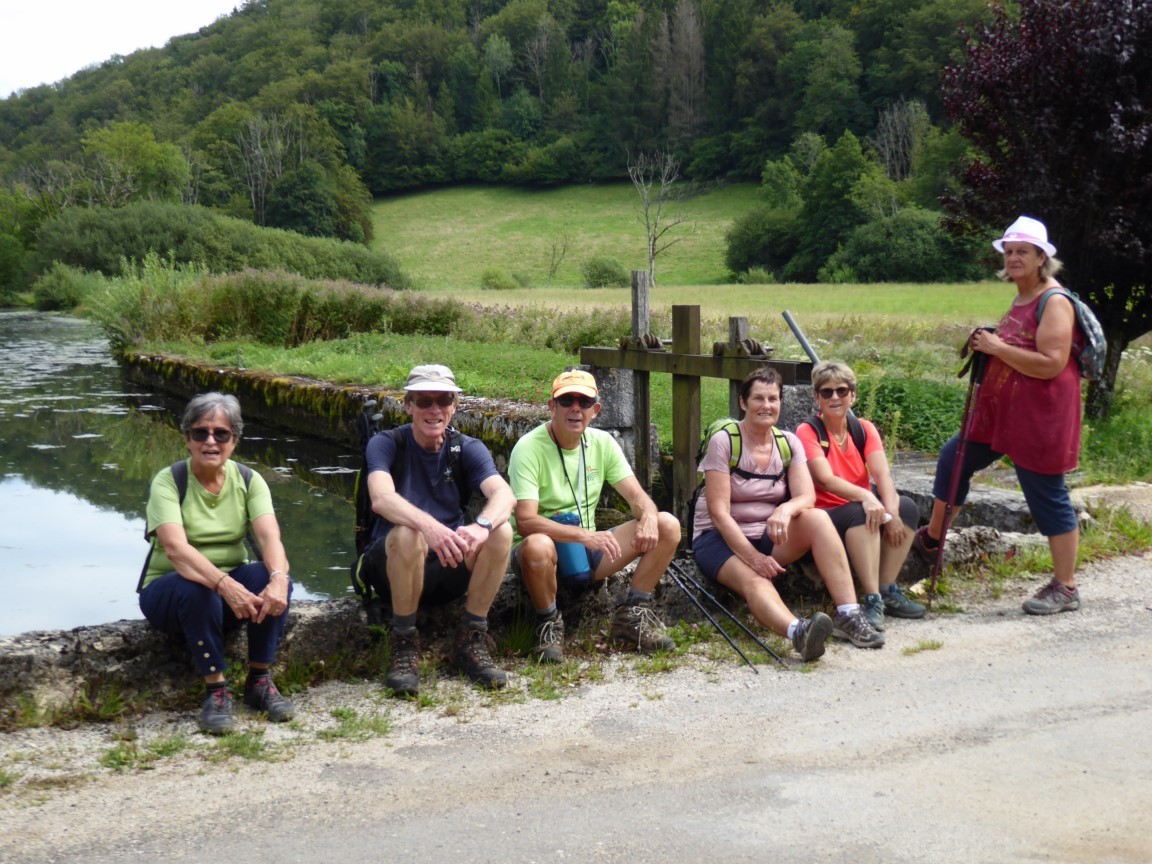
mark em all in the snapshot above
pixel 369 426
pixel 180 475
pixel 855 429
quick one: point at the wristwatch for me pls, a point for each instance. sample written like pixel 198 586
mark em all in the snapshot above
pixel 485 522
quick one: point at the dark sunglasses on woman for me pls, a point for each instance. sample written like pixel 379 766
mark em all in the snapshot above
pixel 829 392
pixel 200 434
pixel 567 399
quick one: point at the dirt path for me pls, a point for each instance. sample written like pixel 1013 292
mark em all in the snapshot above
pixel 1016 739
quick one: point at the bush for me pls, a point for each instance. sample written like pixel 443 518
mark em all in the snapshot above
pixel 756 276
pixel 761 238
pixel 100 239
pixel 13 268
pixel 63 288
pixel 909 246
pixel 494 279
pixel 604 272
pixel 919 415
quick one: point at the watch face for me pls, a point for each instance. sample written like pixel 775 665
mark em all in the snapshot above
pixel 484 522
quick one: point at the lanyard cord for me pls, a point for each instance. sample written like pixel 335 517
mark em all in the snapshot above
pixel 567 479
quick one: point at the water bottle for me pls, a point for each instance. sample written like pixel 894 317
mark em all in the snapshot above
pixel 572 564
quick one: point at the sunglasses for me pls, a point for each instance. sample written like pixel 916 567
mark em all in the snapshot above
pixel 567 400
pixel 829 392
pixel 444 400
pixel 200 435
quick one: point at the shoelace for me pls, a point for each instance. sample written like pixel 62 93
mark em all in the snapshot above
pixel 549 633
pixel 477 648
pixel 646 621
pixel 406 656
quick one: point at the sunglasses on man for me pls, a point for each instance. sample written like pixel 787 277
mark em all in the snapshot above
pixel 568 399
pixel 200 434
pixel 444 400
pixel 829 392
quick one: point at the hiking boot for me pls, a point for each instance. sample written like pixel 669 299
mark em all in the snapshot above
pixel 1052 598
pixel 925 547
pixel 404 673
pixel 638 627
pixel 873 607
pixel 856 628
pixel 549 646
pixel 262 695
pixel 897 604
pixel 810 635
pixel 216 713
pixel 471 658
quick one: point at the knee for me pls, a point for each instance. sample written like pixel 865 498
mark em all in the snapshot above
pixel 406 543
pixel 499 541
pixel 669 528
pixel 537 557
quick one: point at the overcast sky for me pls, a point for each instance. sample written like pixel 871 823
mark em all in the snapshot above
pixel 43 41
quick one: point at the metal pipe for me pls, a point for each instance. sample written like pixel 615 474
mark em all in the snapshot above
pixel 800 337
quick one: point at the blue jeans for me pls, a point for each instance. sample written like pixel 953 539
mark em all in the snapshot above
pixel 177 605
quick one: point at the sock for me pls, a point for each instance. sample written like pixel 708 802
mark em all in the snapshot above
pixel 885 590
pixel 475 622
pixel 847 608
pixel 792 629
pixel 255 675
pixel 222 685
pixel 636 597
pixel 404 623
pixel 550 612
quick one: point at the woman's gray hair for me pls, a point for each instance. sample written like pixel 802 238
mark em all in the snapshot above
pixel 1049 268
pixel 831 372
pixel 207 403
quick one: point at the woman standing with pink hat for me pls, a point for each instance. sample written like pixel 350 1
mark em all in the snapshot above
pixel 1027 408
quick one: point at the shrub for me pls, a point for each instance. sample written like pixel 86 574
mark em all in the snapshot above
pixel 756 276
pixel 13 268
pixel 761 238
pixel 64 288
pixel 909 246
pixel 920 415
pixel 495 279
pixel 604 272
pixel 100 239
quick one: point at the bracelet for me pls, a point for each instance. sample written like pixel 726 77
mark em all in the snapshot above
pixel 223 576
pixel 276 573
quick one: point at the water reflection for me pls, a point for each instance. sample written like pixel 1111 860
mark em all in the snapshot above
pixel 77 449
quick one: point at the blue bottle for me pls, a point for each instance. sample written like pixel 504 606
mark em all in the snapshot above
pixel 572 565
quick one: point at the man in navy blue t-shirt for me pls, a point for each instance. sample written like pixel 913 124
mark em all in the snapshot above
pixel 420 478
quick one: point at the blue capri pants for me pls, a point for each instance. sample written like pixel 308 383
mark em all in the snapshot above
pixel 1046 494
pixel 177 605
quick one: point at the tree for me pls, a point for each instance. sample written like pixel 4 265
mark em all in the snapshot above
pixel 1058 103
pixel 660 170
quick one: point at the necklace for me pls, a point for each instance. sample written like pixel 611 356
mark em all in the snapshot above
pixel 840 439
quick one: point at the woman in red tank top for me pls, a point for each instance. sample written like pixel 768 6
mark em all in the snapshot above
pixel 1028 408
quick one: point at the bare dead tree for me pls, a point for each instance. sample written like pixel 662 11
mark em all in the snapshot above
pixel 556 257
pixel 899 131
pixel 268 146
pixel 654 177
pixel 687 79
pixel 53 185
pixel 536 53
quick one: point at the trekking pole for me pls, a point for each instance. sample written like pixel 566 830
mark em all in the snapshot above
pixel 715 623
pixel 976 377
pixel 696 584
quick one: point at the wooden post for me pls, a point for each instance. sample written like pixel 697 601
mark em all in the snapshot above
pixel 737 331
pixel 641 394
pixel 685 409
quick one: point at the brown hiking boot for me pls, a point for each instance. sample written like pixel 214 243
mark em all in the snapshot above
pixel 549 646
pixel 403 672
pixel 638 627
pixel 471 658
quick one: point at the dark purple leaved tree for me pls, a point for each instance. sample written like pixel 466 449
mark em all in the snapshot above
pixel 1056 96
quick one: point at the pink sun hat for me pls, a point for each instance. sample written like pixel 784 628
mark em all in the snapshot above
pixel 1026 230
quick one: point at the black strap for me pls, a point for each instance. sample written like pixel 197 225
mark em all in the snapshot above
pixel 855 429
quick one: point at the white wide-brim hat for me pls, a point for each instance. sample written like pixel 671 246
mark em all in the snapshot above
pixel 1026 230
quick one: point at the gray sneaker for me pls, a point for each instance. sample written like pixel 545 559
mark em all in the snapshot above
pixel 216 713
pixel 856 629
pixel 810 635
pixel 897 604
pixel 873 606
pixel 638 627
pixel 549 646
pixel 1052 598
pixel 262 695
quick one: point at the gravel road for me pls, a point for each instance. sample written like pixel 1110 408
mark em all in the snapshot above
pixel 1012 739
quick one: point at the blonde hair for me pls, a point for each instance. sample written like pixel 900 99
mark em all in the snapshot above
pixel 831 372
pixel 1049 267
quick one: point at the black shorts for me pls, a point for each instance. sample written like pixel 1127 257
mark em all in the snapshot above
pixel 441 584
pixel 851 515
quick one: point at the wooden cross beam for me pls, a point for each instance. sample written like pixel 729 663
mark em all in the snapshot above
pixel 687 365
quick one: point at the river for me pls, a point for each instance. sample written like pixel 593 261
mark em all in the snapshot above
pixel 78 446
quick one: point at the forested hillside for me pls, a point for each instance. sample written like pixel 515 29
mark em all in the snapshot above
pixel 398 94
